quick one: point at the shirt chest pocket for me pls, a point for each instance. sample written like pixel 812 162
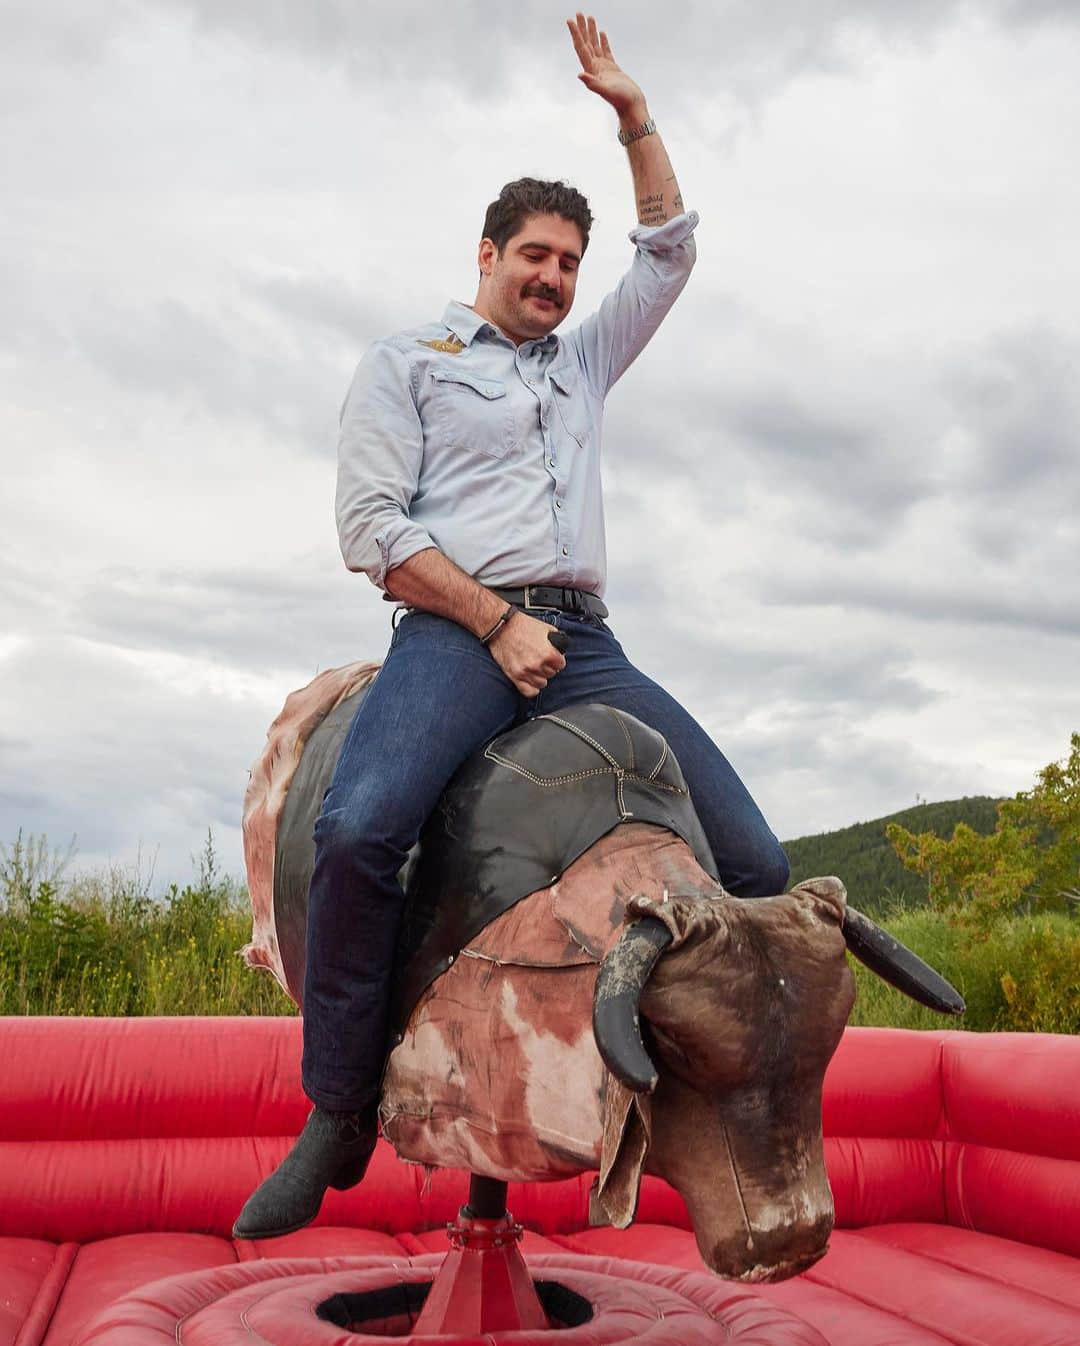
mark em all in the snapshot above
pixel 569 396
pixel 470 413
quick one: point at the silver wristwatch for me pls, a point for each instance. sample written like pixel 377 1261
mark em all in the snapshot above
pixel 645 129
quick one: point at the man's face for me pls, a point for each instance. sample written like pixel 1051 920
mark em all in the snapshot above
pixel 529 290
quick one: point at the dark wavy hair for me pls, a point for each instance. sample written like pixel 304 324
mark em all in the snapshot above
pixel 529 196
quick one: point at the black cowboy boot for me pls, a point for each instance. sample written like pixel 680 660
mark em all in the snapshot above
pixel 333 1150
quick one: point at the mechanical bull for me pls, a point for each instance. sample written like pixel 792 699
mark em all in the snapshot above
pixel 577 991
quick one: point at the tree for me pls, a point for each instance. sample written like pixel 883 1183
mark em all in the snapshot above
pixel 1032 857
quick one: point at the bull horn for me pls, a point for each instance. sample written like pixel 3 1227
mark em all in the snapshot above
pixel 616 1025
pixel 897 965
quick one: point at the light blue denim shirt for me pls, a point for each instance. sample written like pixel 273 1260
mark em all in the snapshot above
pixel 453 437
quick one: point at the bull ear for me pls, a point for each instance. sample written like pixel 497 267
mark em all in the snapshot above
pixel 616 1022
pixel 897 965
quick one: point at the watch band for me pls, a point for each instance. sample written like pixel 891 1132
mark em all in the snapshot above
pixel 645 129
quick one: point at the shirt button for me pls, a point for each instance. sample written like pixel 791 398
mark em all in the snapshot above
pixel 551 462
pixel 566 551
pixel 558 504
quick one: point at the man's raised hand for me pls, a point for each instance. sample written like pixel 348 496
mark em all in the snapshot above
pixel 600 72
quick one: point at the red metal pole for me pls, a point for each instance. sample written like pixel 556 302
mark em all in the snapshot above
pixel 483 1284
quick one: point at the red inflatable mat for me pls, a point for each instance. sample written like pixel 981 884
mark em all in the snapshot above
pixel 278 1303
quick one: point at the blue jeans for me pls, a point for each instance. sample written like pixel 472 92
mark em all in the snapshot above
pixel 438 697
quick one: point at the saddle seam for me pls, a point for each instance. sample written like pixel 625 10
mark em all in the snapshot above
pixel 550 780
pixel 626 734
pixel 618 772
pixel 587 738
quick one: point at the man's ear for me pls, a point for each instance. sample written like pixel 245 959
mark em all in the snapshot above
pixel 486 255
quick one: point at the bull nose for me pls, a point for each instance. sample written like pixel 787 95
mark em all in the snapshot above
pixel 761 1255
pixel 763 1273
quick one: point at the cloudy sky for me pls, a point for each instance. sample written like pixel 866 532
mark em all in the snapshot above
pixel 842 484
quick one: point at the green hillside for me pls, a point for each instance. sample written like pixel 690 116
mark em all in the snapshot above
pixel 862 857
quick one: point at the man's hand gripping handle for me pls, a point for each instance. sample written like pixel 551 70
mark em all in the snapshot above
pixel 529 652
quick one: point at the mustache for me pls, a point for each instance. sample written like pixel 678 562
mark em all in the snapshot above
pixel 546 294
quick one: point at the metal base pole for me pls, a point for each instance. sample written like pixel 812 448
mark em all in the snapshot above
pixel 483 1284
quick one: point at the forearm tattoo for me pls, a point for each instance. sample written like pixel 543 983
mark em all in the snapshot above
pixel 651 208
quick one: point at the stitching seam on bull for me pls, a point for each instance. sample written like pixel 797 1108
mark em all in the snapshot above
pixel 586 738
pixel 626 734
pixel 738 1185
pixel 550 780
pixel 580 775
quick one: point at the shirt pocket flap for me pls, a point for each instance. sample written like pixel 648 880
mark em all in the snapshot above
pixel 489 388
pixel 572 402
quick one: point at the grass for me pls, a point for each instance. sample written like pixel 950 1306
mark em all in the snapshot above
pixel 101 945
pixel 1021 976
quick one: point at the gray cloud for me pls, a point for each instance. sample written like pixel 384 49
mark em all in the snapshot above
pixel 943 602
pixel 1016 404
pixel 112 759
pixel 307 614
pixel 221 363
pixel 726 675
pixel 486 52
pixel 812 778
pixel 329 304
pixel 844 465
pixel 740 51
pixel 1019 397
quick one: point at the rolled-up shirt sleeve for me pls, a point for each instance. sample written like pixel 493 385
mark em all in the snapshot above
pixel 615 335
pixel 380 451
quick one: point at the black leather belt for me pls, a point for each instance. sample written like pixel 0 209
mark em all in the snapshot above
pixel 551 596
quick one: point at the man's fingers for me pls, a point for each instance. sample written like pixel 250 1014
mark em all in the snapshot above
pixel 594 36
pixel 580 45
pixel 605 46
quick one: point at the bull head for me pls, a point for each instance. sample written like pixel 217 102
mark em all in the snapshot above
pixel 745 1002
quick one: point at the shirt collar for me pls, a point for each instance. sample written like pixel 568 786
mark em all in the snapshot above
pixel 466 323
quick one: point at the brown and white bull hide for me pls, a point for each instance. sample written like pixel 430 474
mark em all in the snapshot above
pixel 498 1072
pixel 271 775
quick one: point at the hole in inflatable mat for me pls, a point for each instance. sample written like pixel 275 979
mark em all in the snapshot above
pixel 564 1307
pixel 392 1310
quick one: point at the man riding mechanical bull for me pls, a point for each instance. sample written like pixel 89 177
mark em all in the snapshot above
pixel 469 491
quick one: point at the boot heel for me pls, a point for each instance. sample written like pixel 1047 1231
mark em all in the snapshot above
pixel 353 1169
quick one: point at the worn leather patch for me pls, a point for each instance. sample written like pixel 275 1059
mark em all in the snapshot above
pixel 627 1134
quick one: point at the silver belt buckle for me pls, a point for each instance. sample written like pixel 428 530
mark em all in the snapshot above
pixel 530 606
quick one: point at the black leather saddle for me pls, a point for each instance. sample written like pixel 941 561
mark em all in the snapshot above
pixel 520 812
pixel 515 816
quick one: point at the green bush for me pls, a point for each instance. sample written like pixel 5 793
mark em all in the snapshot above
pixel 1030 861
pixel 99 944
pixel 1021 975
